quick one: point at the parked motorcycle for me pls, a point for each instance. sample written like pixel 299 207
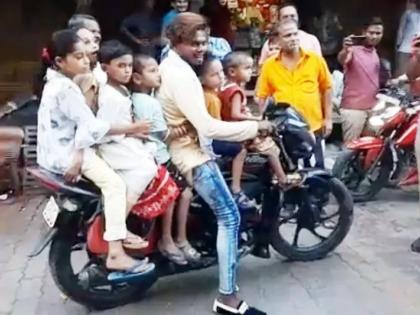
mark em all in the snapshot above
pixel 371 163
pixel 319 217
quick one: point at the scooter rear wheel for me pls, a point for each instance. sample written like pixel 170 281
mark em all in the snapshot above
pixel 100 296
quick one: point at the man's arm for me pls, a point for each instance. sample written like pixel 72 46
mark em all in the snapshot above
pixel 401 29
pixel 345 55
pixel 325 84
pixel 263 89
pixel 413 69
pixel 327 109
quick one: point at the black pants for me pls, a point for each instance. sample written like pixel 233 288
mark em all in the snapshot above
pixel 318 151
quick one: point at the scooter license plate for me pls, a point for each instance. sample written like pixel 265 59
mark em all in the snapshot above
pixel 50 212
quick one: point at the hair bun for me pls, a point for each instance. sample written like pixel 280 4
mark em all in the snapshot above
pixel 45 56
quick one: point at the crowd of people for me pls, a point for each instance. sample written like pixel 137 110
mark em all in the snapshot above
pixel 124 117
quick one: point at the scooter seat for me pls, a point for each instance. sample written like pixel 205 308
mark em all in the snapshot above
pixel 56 182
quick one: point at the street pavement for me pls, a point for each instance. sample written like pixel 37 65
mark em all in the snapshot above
pixel 372 273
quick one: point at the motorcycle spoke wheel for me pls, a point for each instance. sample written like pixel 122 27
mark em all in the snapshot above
pixel 288 219
pixel 316 232
pixel 296 236
pixel 321 237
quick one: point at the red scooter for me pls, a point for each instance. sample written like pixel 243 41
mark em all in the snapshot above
pixel 386 157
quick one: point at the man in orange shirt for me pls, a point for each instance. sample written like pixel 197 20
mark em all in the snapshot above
pixel 302 79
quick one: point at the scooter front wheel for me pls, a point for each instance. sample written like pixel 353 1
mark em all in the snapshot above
pixel 311 231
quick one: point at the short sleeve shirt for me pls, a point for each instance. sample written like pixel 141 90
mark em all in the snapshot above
pixel 213 104
pixel 146 107
pixel 226 94
pixel 301 87
pixel 65 123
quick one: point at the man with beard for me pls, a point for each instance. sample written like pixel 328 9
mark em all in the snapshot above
pixel 361 65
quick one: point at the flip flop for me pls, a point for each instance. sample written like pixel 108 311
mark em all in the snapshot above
pixel 133 274
pixel 135 242
pixel 177 258
pixel 190 253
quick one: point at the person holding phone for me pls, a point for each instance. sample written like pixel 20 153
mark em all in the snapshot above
pixel 361 64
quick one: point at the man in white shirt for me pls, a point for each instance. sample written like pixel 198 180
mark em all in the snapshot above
pixel 308 42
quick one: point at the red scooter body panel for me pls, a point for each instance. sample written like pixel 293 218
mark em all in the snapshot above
pixel 365 143
pixel 408 137
pixel 98 246
pixel 371 145
pixel 412 178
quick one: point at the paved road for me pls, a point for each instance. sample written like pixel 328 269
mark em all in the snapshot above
pixel 372 272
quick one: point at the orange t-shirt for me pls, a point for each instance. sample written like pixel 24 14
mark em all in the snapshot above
pixel 213 104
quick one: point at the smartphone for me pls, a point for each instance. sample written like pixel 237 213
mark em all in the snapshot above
pixel 358 40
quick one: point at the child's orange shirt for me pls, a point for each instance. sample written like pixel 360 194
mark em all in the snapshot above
pixel 213 104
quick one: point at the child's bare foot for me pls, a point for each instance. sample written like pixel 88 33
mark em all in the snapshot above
pixel 123 262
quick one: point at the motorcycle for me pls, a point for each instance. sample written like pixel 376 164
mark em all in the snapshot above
pixel 321 206
pixel 370 163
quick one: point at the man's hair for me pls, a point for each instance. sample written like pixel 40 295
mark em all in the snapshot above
pixel 139 61
pixel 287 4
pixel 113 49
pixel 78 21
pixel 234 60
pixel 375 20
pixel 279 25
pixel 185 26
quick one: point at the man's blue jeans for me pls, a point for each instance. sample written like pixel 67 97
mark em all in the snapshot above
pixel 211 186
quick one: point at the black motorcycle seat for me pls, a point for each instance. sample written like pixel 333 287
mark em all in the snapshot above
pixel 56 182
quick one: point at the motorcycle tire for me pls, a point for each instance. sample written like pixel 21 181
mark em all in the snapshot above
pixel 67 282
pixel 341 164
pixel 321 250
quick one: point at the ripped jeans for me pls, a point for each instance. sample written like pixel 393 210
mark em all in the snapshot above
pixel 211 186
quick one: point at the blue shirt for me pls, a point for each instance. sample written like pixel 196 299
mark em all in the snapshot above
pixel 146 107
pixel 219 47
pixel 168 18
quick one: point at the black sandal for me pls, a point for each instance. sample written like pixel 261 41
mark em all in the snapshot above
pixel 242 309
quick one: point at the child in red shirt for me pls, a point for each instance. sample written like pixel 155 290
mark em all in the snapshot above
pixel 212 78
pixel 238 70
